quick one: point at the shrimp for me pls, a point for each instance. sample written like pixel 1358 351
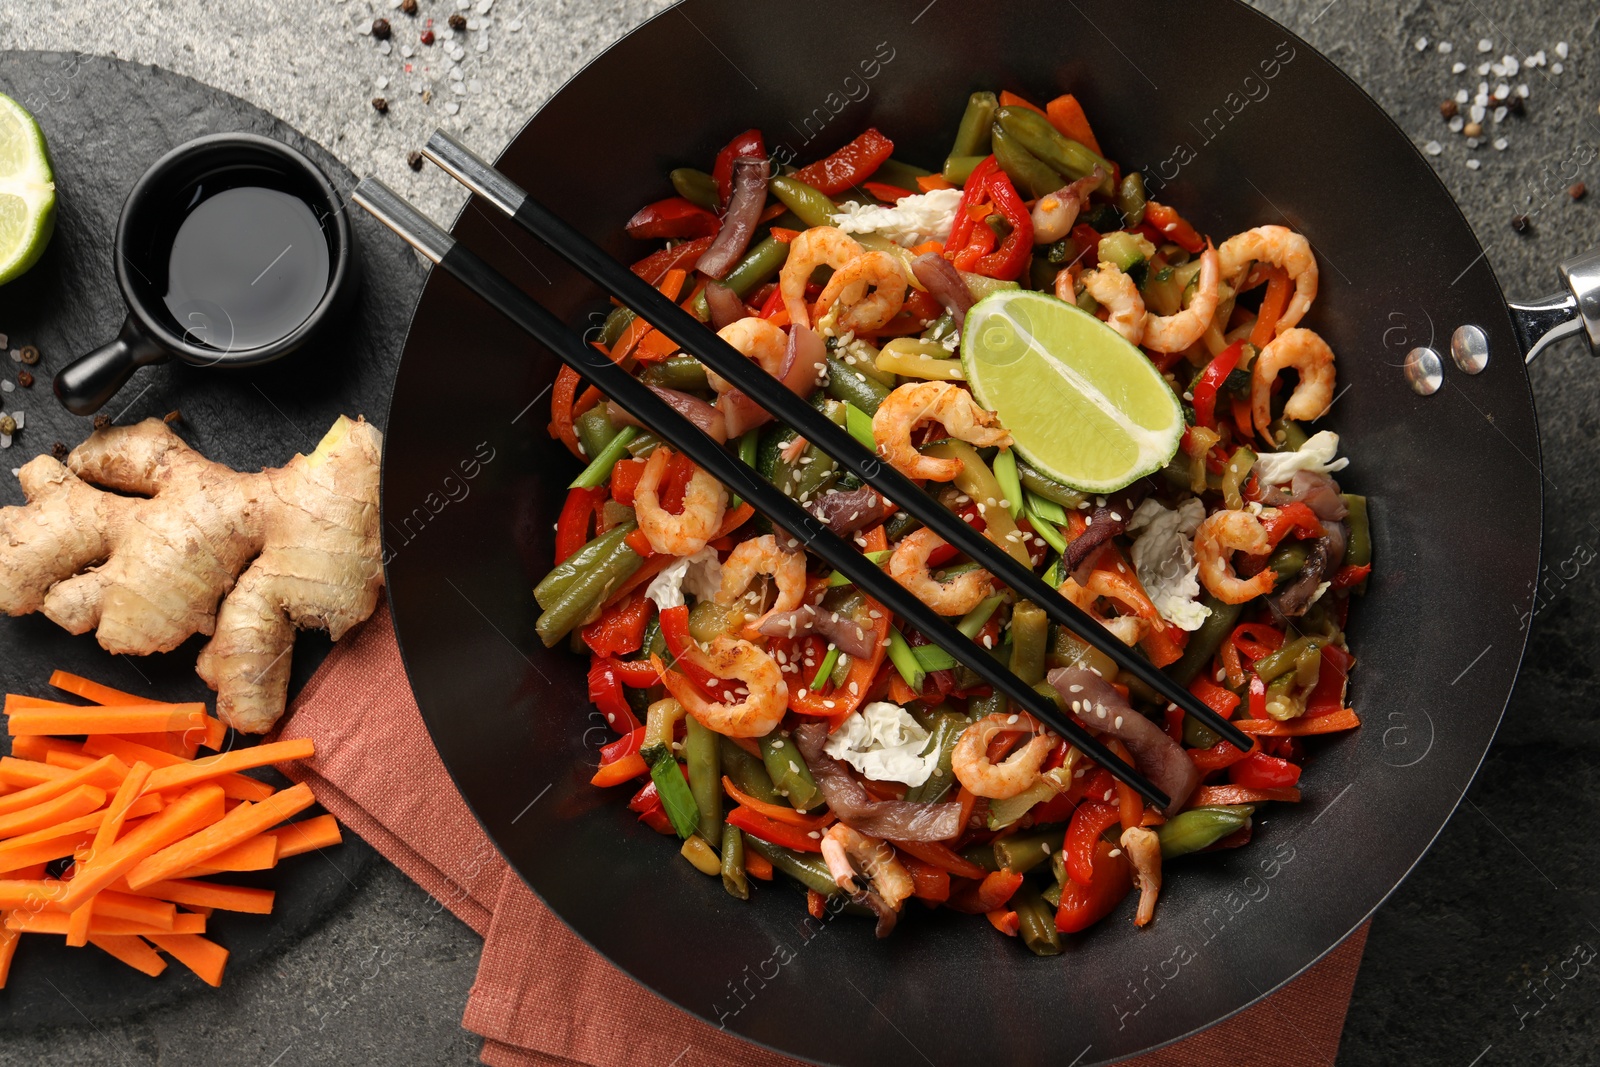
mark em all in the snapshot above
pixel 1144 852
pixel 852 855
pixel 1129 629
pixel 1174 333
pixel 909 566
pixel 757 339
pixel 813 248
pixel 761 555
pixel 1116 292
pixel 1313 393
pixel 997 781
pixel 878 271
pixel 1055 212
pixel 1225 532
pixel 914 403
pixel 766 697
pixel 684 534
pixel 1281 247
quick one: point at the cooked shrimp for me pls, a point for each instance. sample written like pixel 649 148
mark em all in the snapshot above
pixel 915 403
pixel 860 310
pixel 684 534
pixel 757 339
pixel 1225 532
pixel 761 555
pixel 852 855
pixel 813 248
pixel 1144 852
pixel 1116 292
pixel 766 697
pixel 908 565
pixel 1129 629
pixel 1281 247
pixel 1306 353
pixel 1174 333
pixel 997 781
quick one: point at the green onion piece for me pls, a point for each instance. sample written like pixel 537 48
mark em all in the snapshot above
pixel 825 668
pixel 598 472
pixel 1005 472
pixel 904 660
pixel 681 809
pixel 1042 526
pixel 1046 508
pixel 837 578
pixel 859 425
pixel 974 620
pixel 1052 574
pixel 933 658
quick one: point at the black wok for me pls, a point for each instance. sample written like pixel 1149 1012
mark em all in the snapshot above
pixel 1239 123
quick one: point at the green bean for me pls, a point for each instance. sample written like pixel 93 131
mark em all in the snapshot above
pixel 1198 828
pixel 1032 175
pixel 1047 487
pixel 946 731
pixel 598 472
pixel 849 385
pixel 747 772
pixel 972 135
pixel 1021 853
pixel 552 585
pixel 1035 135
pixel 789 772
pixel 676 797
pixel 811 474
pixel 1287 559
pixel 594 430
pixel 683 373
pixel 1358 552
pixel 1282 661
pixel 814 207
pixel 1067 649
pixel 1130 198
pixel 900 175
pixel 940 328
pixel 1234 475
pixel 900 524
pixel 1030 632
pixel 957 169
pixel 615 323
pixel 641 447
pixel 983 855
pixel 758 265
pixel 1286 435
pixel 733 879
pixel 696 186
pixel 590 587
pixel 1197 734
pixel 1052 895
pixel 1036 921
pixel 1204 642
pixel 807 868
pixel 702 756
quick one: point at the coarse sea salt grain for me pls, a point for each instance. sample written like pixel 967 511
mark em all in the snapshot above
pixel 1445 48
pixel 1556 68
pixel 1457 123
pixel 1457 68
pixel 1477 112
pixel 1500 114
pixel 1485 45
pixel 1461 96
pixel 1422 44
pixel 1500 144
pixel 1473 164
pixel 1561 49
pixel 1433 148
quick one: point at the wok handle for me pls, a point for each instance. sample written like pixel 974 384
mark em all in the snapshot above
pixel 1540 323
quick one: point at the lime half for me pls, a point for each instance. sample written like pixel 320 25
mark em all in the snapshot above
pixel 27 191
pixel 1085 407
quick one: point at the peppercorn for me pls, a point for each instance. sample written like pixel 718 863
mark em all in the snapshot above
pixel 1521 223
pixel 25 379
pixel 1516 106
pixel 380 105
pixel 8 426
pixel 1473 129
pixel 427 37
pixel 1449 109
pixel 380 29
pixel 102 421
pixel 1578 191
pixel 409 7
pixel 29 354
pixel 458 21
pixel 414 159
pixel 172 416
pixel 59 451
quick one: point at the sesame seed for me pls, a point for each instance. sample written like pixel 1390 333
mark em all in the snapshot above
pixel 794 767
pixel 1100 711
pixel 1113 852
pixel 1077 705
pixel 1117 723
pixel 1107 795
pixel 802 694
pixel 777 745
pixel 817 836
pixel 1012 721
pixel 1074 688
pixel 1221 674
pixel 1045 847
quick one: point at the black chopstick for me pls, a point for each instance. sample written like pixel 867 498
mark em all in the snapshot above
pixel 684 436
pixel 816 427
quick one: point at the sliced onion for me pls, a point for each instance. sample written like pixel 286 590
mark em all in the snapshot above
pixel 1314 489
pixel 1101 708
pixel 739 223
pixel 897 819
pixel 803 362
pixel 697 411
pixel 725 305
pixel 741 414
pixel 945 283
pixel 847 510
pixel 851 638
pixel 1325 557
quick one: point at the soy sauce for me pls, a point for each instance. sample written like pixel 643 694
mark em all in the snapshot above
pixel 248 265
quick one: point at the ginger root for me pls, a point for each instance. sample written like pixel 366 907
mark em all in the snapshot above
pixel 197 548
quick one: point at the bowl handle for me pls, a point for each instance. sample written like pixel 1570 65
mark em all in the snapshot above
pixel 84 385
pixel 1540 323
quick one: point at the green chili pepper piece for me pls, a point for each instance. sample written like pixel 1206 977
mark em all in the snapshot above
pixel 1035 135
pixel 972 135
pixel 696 186
pixel 1287 559
pixel 1030 632
pixel 1198 828
pixel 598 472
pixel 615 323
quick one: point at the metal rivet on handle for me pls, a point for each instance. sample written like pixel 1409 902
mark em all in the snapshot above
pixel 1424 370
pixel 1469 348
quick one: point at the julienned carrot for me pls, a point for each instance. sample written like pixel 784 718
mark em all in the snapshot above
pixel 130 719
pixel 307 835
pixel 237 826
pixel 100 694
pixel 240 760
pixel 110 829
pixel 35 748
pixel 1330 723
pixel 1067 116
pixel 758 866
pixel 17 702
pixel 79 800
pixel 777 812
pixel 71 761
pixel 235 786
pixel 192 895
pixel 8 949
pixel 205 958
pixel 55 922
pixel 13 861
pixel 24 773
pixel 259 853
pixel 173 744
pixel 148 804
pixel 131 949
pixel 194 810
pixel 108 772
pixel 38 895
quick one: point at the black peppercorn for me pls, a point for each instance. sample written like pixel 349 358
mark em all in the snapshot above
pixel 30 355
pixel 379 104
pixel 409 7
pixel 380 29
pixel 458 21
pixel 1521 223
pixel 1516 106
pixel 1449 109
pixel 414 159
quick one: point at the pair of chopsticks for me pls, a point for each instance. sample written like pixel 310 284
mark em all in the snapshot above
pixel 692 335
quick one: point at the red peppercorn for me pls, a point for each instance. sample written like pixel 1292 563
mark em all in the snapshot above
pixel 427 36
pixel 1578 191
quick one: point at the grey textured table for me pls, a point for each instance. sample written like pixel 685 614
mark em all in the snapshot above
pixel 1486 955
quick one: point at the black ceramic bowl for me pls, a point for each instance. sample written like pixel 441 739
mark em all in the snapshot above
pixel 1237 123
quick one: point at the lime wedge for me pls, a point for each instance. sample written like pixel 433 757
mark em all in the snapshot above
pixel 1085 407
pixel 27 191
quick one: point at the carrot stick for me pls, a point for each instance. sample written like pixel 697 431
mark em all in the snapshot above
pixel 14 861
pixel 172 744
pixel 216 734
pixel 44 895
pixel 307 836
pixel 118 719
pixel 55 922
pixel 16 702
pixel 235 786
pixel 758 866
pixel 205 958
pixel 778 812
pixel 192 894
pixel 148 804
pixel 1066 115
pixel 131 949
pixel 242 759
pixel 198 808
pixel 36 748
pixel 100 694
pixel 8 949
pixel 26 773
pixel 1011 99
pixel 259 853
pixel 30 894
pixel 110 828
pixel 70 761
pixel 240 824
pixel 1330 723
pixel 108 772
pixel 79 800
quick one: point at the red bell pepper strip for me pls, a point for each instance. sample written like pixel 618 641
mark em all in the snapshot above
pixel 1218 757
pixel 1272 306
pixel 1211 379
pixel 1261 771
pixel 562 395
pixel 748 145
pixel 890 194
pixel 1349 576
pixel 1256 639
pixel 1258 698
pixel 620 627
pixel 1172 227
pixel 835 702
pixel 625 479
pixel 653 268
pixel 928 882
pixel 1328 694
pixel 1093 818
pixel 1172 723
pixel 1005 920
pixel 673 217
pixel 942 856
pixel 572 527
pixel 624 746
pixel 634 673
pixel 605 693
pixel 778 833
pixel 675 632
pixel 972 195
pixel 647 802
pixel 1215 697
pixel 850 165
pixel 1296 516
pixel 1084 905
pixel 980 898
pixel 972 240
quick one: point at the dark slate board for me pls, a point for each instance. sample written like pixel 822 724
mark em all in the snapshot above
pixel 106 121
